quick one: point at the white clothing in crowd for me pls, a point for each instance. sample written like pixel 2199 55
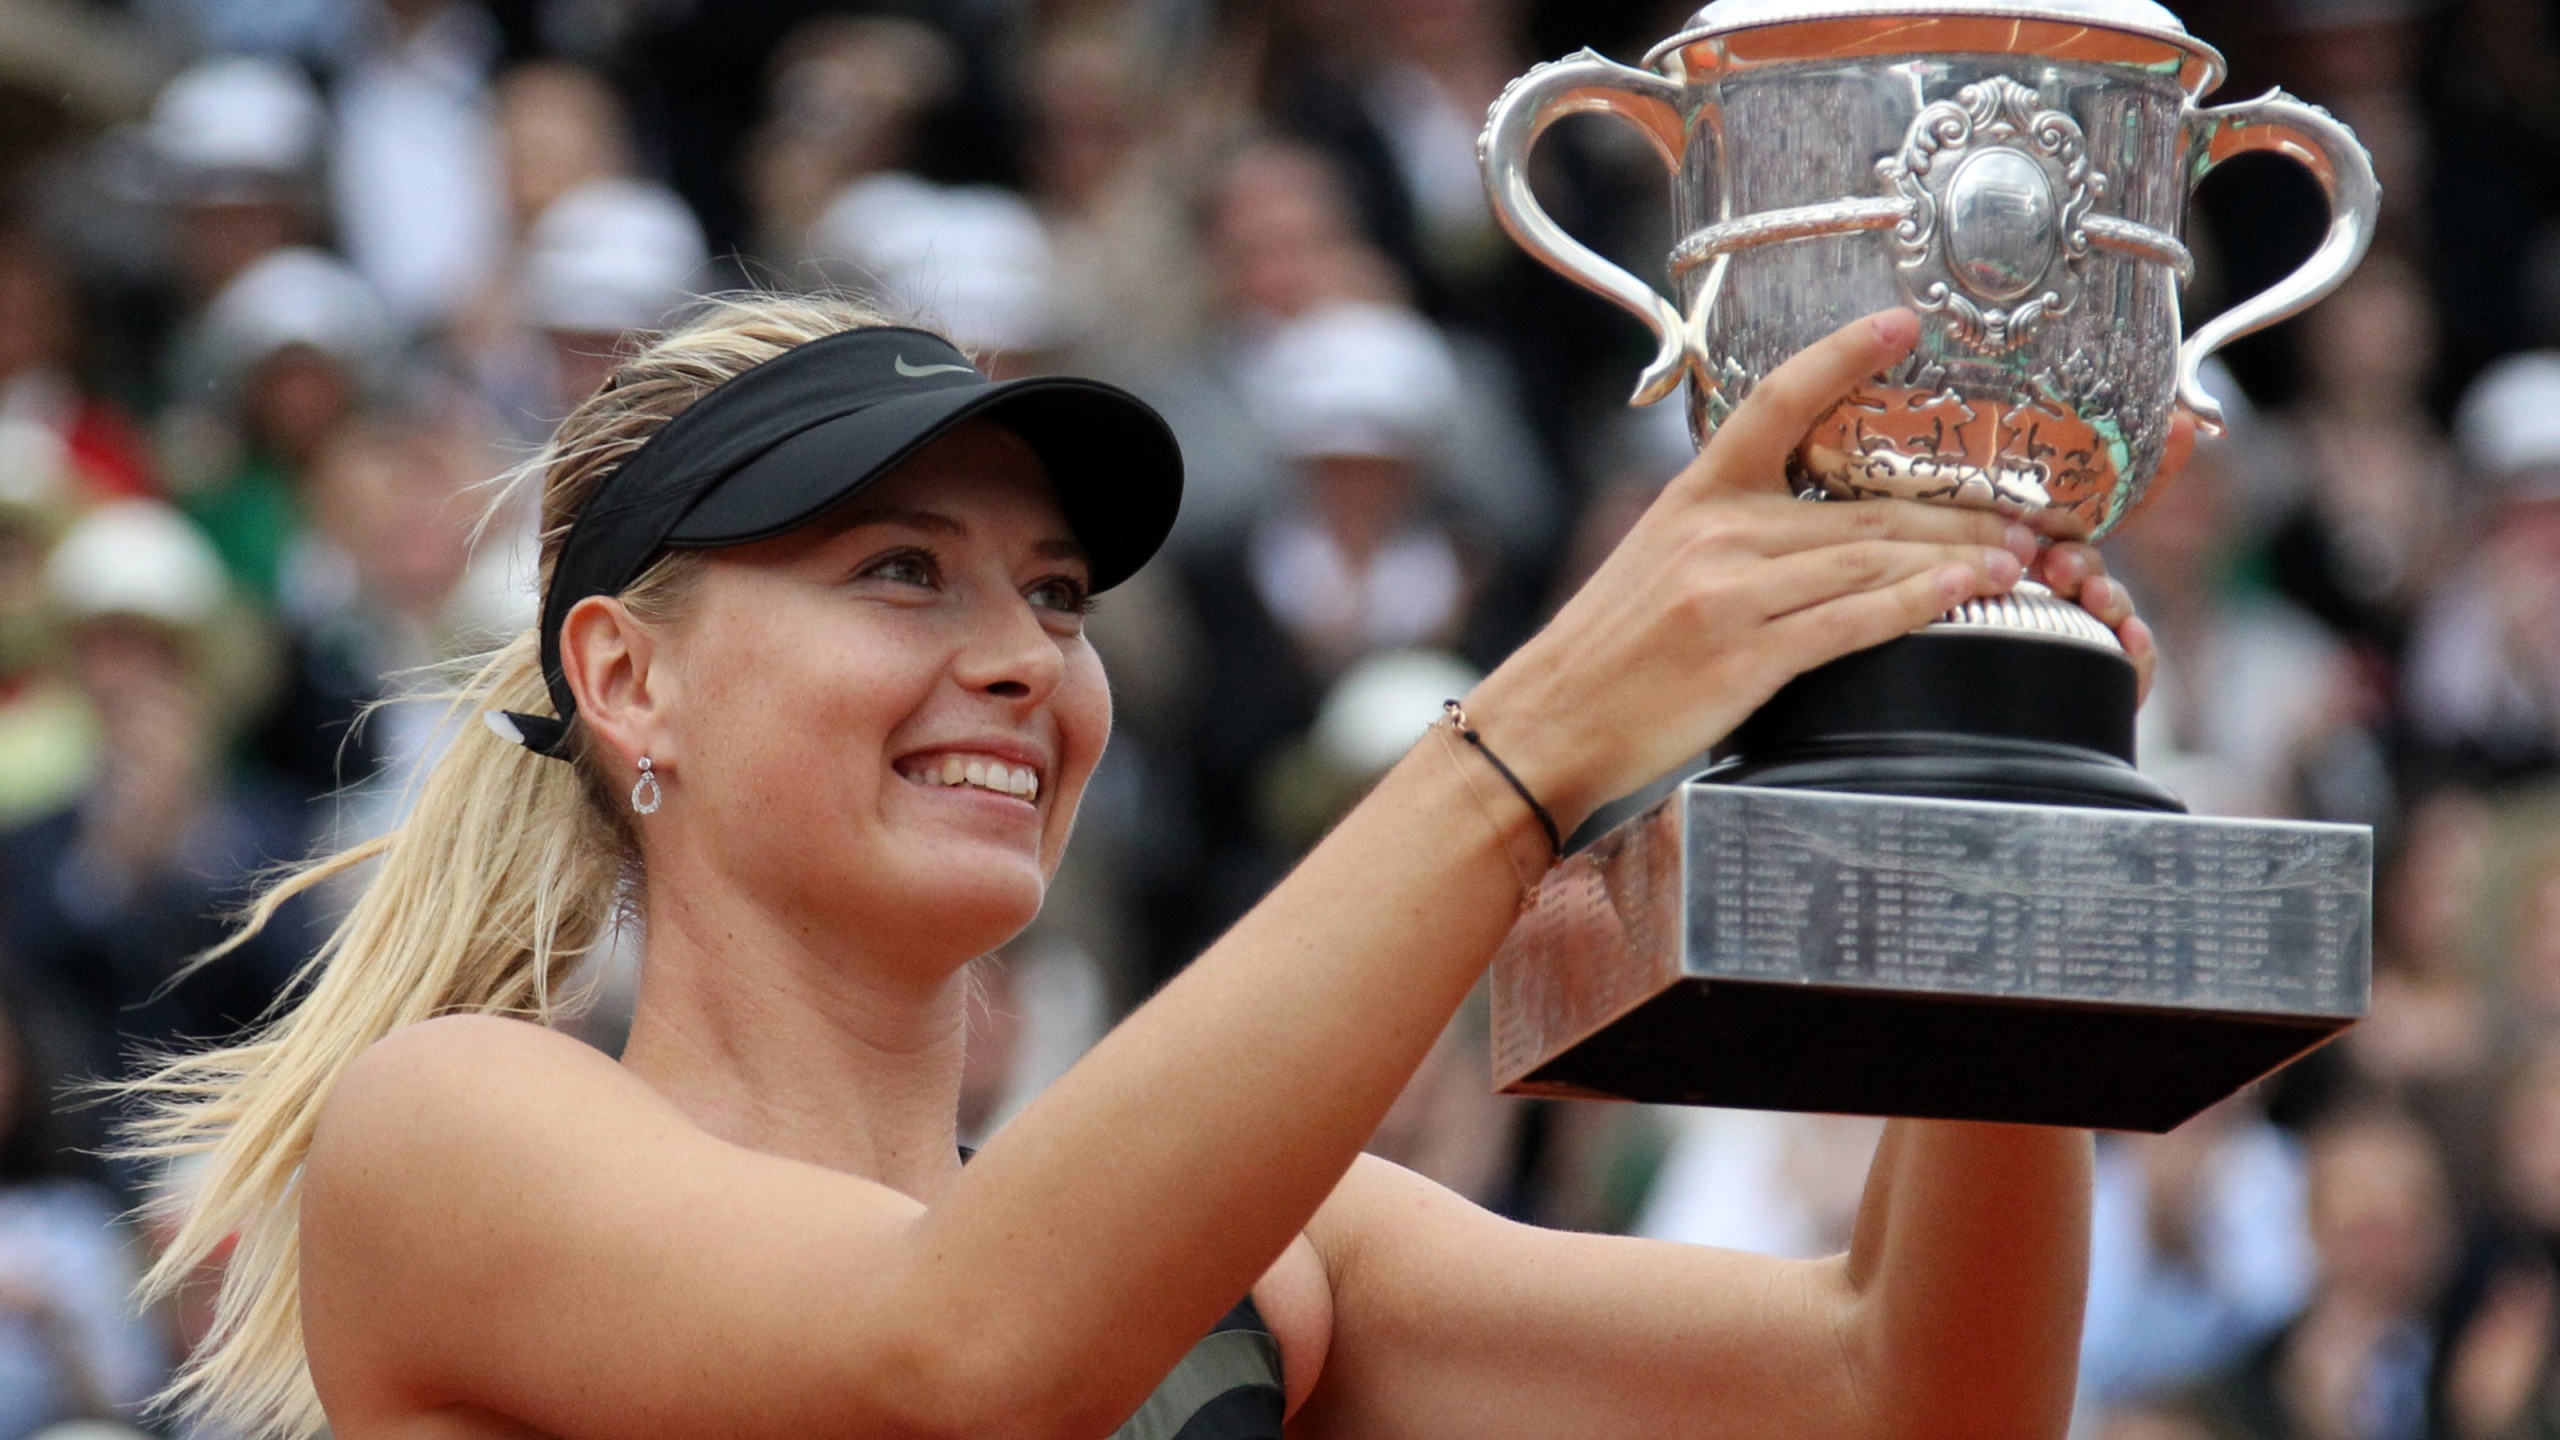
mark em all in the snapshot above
pixel 416 170
pixel 1762 1181
pixel 2157 1322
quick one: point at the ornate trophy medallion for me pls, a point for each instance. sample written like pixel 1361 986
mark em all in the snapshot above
pixel 1998 190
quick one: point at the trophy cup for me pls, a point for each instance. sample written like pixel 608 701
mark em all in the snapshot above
pixel 1926 879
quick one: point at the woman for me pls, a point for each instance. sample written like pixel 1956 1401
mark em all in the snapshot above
pixel 811 650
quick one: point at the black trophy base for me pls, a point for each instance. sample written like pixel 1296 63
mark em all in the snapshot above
pixel 1926 880
pixel 1954 715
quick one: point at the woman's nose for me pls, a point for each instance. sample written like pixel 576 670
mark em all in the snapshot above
pixel 1010 654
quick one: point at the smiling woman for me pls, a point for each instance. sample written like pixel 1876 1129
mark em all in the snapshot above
pixel 811 690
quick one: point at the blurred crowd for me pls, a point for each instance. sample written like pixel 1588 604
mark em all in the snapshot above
pixel 289 287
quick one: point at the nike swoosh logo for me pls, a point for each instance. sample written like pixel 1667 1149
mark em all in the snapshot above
pixel 913 372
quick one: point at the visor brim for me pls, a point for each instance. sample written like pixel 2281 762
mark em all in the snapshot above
pixel 1112 461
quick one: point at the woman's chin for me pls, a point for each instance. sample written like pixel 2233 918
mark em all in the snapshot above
pixel 971 898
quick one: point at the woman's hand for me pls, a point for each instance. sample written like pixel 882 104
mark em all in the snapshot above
pixel 2073 569
pixel 1729 587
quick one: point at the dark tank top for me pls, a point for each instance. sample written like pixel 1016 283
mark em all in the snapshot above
pixel 1227 1387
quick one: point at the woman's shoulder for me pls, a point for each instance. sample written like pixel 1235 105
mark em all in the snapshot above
pixel 457 1057
pixel 464 1090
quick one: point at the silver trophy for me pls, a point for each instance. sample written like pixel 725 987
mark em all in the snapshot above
pixel 1927 879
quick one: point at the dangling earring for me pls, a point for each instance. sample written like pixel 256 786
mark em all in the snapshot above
pixel 645 794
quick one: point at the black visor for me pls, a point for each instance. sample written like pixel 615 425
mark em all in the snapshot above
pixel 780 445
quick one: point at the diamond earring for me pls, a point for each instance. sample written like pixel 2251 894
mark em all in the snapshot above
pixel 645 793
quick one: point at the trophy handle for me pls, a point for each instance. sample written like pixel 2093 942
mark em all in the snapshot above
pixel 1579 83
pixel 2315 140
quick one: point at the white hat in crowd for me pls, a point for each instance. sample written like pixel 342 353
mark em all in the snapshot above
pixel 1355 379
pixel 137 558
pixel 299 296
pixel 974 258
pixel 237 120
pixel 610 256
pixel 2509 426
pixel 1382 705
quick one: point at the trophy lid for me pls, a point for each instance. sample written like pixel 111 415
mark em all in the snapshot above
pixel 1732 35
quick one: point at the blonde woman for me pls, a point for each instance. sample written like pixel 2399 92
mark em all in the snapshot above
pixel 810 691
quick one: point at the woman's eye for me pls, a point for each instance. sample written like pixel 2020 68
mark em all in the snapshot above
pixel 907 567
pixel 1062 593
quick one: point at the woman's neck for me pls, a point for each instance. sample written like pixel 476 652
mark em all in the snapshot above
pixel 777 1044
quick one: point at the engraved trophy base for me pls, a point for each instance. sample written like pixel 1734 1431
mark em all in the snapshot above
pixel 1926 880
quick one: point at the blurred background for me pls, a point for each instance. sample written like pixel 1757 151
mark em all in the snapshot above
pixel 287 285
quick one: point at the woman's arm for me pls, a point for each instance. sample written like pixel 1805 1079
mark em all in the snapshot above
pixel 1105 1228
pixel 1955 1313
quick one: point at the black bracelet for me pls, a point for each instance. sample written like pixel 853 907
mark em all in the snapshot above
pixel 1457 716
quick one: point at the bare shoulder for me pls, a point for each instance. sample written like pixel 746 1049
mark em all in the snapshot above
pixel 447 1152
pixel 476 1184
pixel 446 1090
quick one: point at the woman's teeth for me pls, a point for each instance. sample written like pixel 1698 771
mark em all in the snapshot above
pixel 983 773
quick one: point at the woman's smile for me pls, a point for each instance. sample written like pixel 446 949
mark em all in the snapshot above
pixel 1004 770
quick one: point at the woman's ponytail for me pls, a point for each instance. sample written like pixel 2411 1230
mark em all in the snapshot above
pixel 496 886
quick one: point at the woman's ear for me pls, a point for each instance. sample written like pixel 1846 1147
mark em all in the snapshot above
pixel 608 658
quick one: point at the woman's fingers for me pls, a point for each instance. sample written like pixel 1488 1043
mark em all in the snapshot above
pixel 1822 633
pixel 1779 527
pixel 2076 571
pixel 1791 583
pixel 1749 451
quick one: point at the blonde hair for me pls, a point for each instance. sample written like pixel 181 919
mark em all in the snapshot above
pixel 505 873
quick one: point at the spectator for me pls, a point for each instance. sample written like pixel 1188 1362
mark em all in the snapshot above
pixel 1280 239
pixel 1284 247
pixel 1364 552
pixel 238 140
pixel 606 260
pixel 97 449
pixel 107 900
pixel 416 171
pixel 2255 710
pixel 2369 535
pixel 2500 1332
pixel 560 127
pixel 1393 93
pixel 385 593
pixel 2485 672
pixel 71 1345
pixel 974 260
pixel 2199 1251
pixel 847 96
pixel 1110 145
pixel 2432 1042
pixel 2355 1364
pixel 288 350
pixel 595 252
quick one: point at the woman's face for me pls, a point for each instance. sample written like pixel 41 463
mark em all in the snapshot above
pixel 882 722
